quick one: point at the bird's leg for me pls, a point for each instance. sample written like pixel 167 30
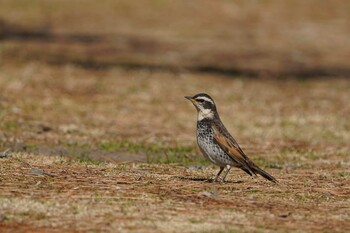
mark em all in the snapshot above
pixel 217 176
pixel 228 169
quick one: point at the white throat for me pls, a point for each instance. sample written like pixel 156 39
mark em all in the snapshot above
pixel 205 114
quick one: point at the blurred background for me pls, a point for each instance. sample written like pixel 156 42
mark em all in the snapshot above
pixel 304 38
pixel 109 76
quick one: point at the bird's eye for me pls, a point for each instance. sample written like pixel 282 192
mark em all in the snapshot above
pixel 200 100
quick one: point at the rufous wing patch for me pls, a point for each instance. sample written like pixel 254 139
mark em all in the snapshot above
pixel 228 146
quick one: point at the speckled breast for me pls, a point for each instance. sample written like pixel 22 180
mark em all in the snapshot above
pixel 210 149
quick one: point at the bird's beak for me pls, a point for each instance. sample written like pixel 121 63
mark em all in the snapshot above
pixel 189 98
pixel 194 102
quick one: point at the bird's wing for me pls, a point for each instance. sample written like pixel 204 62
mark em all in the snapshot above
pixel 230 146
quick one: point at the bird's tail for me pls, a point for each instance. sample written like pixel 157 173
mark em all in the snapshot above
pixel 261 172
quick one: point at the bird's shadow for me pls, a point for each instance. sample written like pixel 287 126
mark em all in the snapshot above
pixel 209 180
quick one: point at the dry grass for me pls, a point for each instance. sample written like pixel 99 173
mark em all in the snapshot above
pixel 88 110
pixel 79 107
pixel 294 129
pixel 148 198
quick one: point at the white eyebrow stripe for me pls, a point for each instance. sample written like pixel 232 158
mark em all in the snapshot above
pixel 205 99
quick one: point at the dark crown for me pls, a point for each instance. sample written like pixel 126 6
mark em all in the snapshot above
pixel 205 100
pixel 202 95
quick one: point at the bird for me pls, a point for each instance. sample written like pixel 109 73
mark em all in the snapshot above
pixel 216 143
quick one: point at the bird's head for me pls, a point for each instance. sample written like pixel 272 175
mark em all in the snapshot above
pixel 204 104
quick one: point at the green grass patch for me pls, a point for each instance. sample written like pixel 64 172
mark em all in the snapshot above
pixel 122 146
pixel 263 162
pixel 84 158
pixel 81 153
pixel 156 153
pixel 298 154
pixel 10 125
pixel 344 174
pixel 31 147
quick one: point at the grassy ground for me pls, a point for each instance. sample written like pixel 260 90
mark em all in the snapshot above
pixel 100 138
pixel 296 130
pixel 76 196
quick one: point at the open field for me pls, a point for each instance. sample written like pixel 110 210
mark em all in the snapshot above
pixel 49 110
pixel 73 121
pixel 99 137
